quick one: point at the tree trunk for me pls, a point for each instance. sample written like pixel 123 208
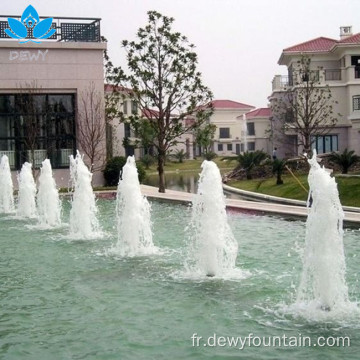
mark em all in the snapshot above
pixel 279 180
pixel 161 163
pixel 307 145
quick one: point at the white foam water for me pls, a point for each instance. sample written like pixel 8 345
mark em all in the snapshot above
pixel 323 292
pixel 6 187
pixel 48 201
pixel 133 216
pixel 212 247
pixel 83 221
pixel 26 206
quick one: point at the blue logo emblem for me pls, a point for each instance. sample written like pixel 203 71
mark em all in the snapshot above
pixel 30 20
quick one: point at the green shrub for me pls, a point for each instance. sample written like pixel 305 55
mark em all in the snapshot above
pixel 278 167
pixel 141 171
pixel 147 160
pixel 345 160
pixel 250 159
pixel 112 170
pixel 180 155
pixel 113 167
pixel 210 156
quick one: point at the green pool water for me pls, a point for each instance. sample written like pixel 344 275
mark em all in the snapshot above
pixel 67 299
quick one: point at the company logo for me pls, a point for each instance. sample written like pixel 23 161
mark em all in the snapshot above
pixel 30 20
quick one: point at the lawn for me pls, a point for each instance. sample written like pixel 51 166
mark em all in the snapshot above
pixel 192 165
pixel 349 188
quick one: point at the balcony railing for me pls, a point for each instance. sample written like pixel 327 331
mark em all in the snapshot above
pixel 67 29
pixel 280 82
pixel 332 74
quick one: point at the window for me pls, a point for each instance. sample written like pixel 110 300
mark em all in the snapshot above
pixel 125 107
pixel 355 61
pixel 229 147
pixel 224 133
pixel 356 102
pixel 127 130
pixel 220 147
pixel 289 116
pixel 250 129
pixel 134 107
pixel 325 144
pixel 36 126
pixel 312 75
pixel 357 72
pixel 251 146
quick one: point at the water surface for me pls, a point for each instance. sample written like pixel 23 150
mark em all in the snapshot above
pixel 66 299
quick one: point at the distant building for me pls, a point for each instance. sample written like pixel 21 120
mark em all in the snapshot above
pixel 335 63
pixel 258 130
pixel 228 118
pixel 238 128
pixel 53 74
pixel 119 130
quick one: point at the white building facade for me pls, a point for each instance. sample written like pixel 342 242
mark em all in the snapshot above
pixel 336 63
pixel 230 135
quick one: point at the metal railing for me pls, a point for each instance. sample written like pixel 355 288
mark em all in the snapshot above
pixel 332 74
pixel 280 82
pixel 60 158
pixel 67 28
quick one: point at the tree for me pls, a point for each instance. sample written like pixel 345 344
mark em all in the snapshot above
pixel 248 160
pixel 204 137
pixel 305 109
pixel 91 127
pixel 145 134
pixel 31 124
pixel 166 85
pixel 344 160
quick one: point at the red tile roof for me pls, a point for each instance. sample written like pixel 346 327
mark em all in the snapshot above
pixel 261 112
pixel 152 114
pixel 110 87
pixel 229 104
pixel 322 44
pixel 354 39
pixel 318 44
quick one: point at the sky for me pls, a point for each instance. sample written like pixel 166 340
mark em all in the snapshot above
pixel 238 42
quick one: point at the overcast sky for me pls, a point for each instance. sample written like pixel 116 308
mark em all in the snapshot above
pixel 238 42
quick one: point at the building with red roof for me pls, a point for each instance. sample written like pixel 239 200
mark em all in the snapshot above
pixel 335 63
pixel 229 136
pixel 257 130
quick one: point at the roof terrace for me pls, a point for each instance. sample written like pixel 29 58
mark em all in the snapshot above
pixel 67 29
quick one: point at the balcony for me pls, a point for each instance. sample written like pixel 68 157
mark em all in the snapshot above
pixel 280 82
pixel 67 29
pixel 332 74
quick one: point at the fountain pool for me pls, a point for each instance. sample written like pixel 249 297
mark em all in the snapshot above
pixel 64 299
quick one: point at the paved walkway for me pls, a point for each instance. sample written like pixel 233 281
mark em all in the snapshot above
pixel 288 211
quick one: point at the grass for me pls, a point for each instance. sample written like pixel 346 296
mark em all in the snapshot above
pixel 192 165
pixel 349 188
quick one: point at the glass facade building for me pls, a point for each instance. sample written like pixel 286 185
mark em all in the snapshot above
pixel 34 127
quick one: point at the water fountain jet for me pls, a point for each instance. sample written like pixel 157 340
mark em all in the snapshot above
pixel 48 202
pixel 213 249
pixel 323 278
pixel 27 192
pixel 83 220
pixel 133 215
pixel 6 187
